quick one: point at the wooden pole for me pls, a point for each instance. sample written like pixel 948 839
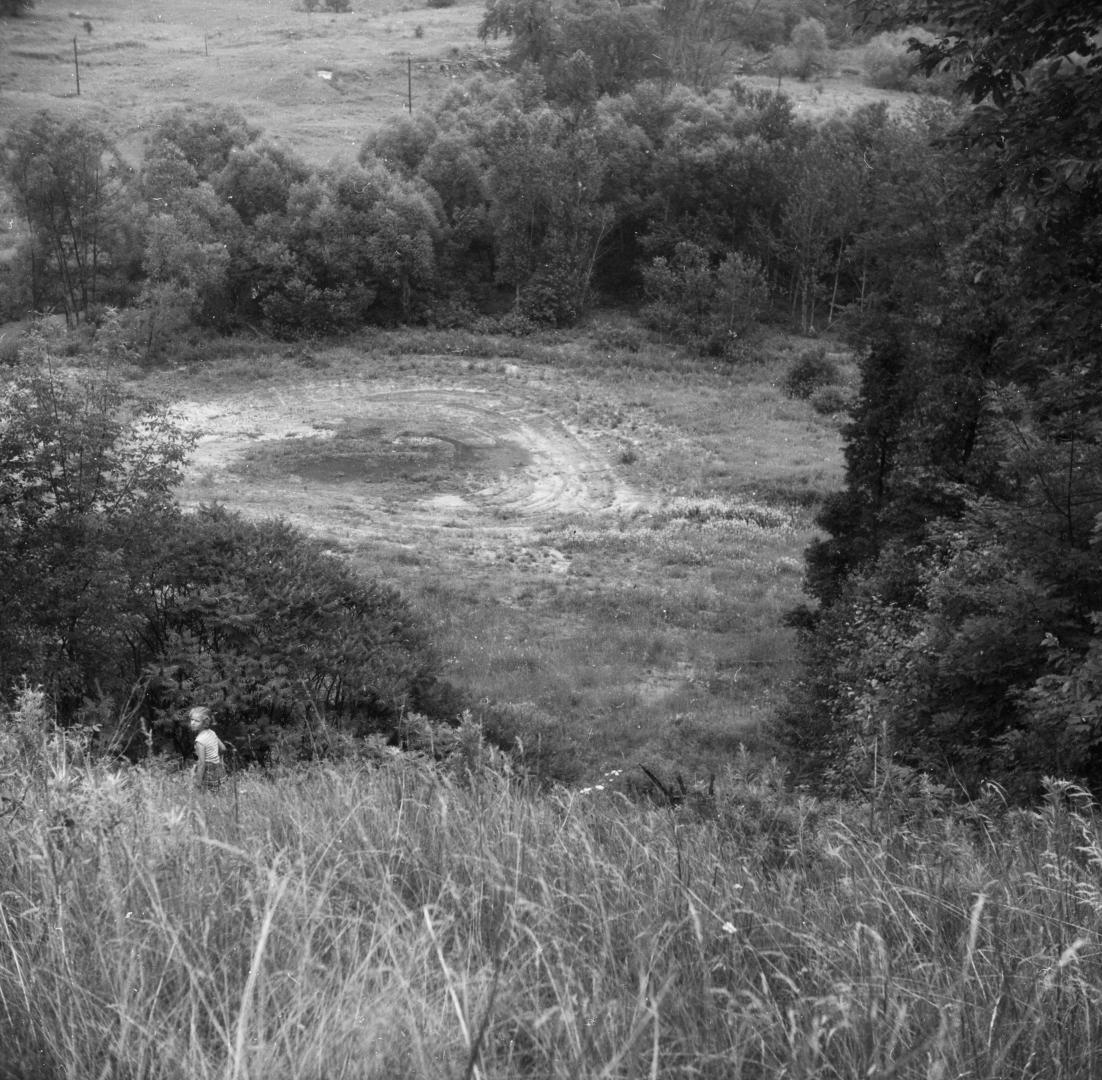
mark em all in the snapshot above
pixel 76 65
pixel 409 84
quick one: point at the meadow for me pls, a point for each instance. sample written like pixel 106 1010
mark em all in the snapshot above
pixel 629 613
pixel 390 918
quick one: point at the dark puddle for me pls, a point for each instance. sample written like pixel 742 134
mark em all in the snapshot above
pixel 373 456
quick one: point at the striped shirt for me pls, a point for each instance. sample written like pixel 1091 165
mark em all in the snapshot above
pixel 208 747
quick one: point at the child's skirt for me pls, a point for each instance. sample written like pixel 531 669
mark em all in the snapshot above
pixel 214 776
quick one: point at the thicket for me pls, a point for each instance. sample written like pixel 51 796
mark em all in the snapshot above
pixel 958 586
pixel 125 610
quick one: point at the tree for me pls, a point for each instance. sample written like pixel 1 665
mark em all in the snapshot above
pixel 204 136
pixel 15 7
pixel 86 475
pixel 257 179
pixel 531 24
pixel 186 268
pixel 697 39
pixel 69 185
pixel 353 243
pixel 965 545
pixel 809 47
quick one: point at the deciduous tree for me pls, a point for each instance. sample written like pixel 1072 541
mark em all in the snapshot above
pixel 69 185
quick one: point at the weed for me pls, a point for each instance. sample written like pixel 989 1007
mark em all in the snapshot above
pixel 424 923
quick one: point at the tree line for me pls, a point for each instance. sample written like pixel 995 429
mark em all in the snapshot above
pixel 509 196
pixel 953 636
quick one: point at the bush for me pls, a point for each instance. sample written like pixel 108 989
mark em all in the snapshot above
pixel 812 371
pixel 830 400
pixel 256 620
pixel 890 65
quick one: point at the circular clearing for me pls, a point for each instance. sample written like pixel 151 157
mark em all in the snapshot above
pixel 345 452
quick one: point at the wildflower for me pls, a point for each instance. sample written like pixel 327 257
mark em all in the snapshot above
pixel 728 928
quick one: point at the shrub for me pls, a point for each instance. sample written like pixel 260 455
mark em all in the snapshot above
pixel 830 400
pixel 258 621
pixel 812 371
pixel 890 65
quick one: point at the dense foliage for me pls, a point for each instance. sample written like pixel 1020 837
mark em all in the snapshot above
pixel 960 585
pixel 127 610
pixel 604 167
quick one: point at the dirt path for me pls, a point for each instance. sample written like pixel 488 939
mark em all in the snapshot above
pixel 351 460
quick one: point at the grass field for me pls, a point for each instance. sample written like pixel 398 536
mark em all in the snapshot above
pixel 612 564
pixel 387 921
pixel 263 56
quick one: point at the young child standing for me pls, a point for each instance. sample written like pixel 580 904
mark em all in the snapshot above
pixel 210 773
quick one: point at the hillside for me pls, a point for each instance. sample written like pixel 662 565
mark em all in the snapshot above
pixel 315 83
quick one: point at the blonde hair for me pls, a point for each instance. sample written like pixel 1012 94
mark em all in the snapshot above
pixel 199 715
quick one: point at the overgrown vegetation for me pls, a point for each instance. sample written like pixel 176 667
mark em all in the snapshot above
pixel 956 632
pixel 395 895
pixel 294 924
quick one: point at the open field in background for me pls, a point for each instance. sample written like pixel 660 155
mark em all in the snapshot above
pixel 604 539
pixel 262 56
pixel 270 58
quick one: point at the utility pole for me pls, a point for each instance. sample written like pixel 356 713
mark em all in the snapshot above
pixel 76 65
pixel 409 84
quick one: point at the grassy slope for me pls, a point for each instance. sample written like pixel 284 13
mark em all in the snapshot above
pixel 262 56
pixel 368 923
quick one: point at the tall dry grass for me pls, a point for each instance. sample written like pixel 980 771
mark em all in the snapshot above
pixel 365 921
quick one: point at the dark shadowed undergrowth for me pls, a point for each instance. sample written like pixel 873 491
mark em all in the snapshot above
pixel 389 919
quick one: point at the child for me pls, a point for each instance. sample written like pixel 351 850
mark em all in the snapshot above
pixel 210 773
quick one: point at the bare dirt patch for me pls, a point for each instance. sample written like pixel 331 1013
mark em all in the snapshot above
pixel 344 457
